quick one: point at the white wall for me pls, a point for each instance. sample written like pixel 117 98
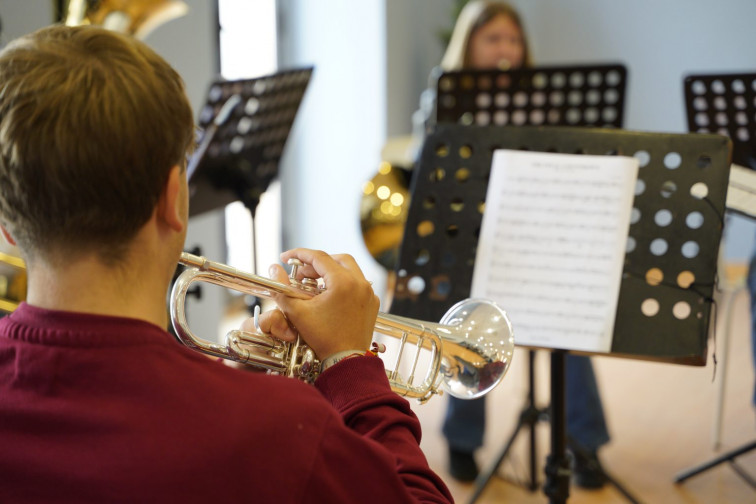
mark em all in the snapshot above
pixel 372 60
pixel 413 48
pixel 20 18
pixel 340 128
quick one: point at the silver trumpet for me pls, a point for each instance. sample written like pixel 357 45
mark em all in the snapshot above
pixel 469 351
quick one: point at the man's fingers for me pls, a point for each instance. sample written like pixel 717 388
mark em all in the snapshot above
pixel 271 322
pixel 278 273
pixel 318 264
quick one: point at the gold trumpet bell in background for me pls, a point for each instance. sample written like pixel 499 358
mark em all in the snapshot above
pixel 386 199
pixel 383 213
pixel 12 281
pixel 135 17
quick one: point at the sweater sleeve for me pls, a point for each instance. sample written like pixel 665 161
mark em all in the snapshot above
pixel 380 426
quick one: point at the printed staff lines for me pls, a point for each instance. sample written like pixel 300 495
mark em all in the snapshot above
pixel 573 241
pixel 523 297
pixel 526 282
pixel 559 254
pixel 586 183
pixel 545 268
pixel 558 328
pixel 577 226
pixel 556 210
pixel 564 309
pixel 572 197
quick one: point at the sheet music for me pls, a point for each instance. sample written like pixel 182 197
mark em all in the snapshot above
pixel 552 244
pixel 741 190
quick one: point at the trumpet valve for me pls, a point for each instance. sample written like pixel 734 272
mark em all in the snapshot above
pixel 295 265
pixel 308 284
pixel 256 348
pixel 309 366
pixel 377 348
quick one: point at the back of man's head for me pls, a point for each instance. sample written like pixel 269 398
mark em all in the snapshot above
pixel 91 122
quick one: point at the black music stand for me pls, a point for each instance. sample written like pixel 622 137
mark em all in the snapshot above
pixel 576 95
pixel 583 95
pixel 724 104
pixel 674 167
pixel 246 124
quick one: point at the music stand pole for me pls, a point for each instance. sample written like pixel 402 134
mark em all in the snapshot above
pixel 557 486
pixel 533 415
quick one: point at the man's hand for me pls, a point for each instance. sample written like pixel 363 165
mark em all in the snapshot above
pixel 340 318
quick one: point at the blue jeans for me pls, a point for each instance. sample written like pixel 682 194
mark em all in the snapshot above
pixel 751 280
pixel 465 421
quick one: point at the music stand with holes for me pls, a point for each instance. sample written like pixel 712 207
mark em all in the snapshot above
pixel 584 95
pixel 576 95
pixel 726 104
pixel 245 126
pixel 674 167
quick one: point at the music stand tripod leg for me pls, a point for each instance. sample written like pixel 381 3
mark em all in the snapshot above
pixel 727 457
pixel 484 477
pixel 577 449
pixel 529 416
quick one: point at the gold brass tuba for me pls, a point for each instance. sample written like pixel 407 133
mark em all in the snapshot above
pixel 12 280
pixel 468 352
pixel 134 17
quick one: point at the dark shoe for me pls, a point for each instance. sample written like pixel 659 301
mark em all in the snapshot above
pixel 462 466
pixel 587 472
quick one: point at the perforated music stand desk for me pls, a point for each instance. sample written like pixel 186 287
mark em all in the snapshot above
pixel 726 104
pixel 246 124
pixel 576 95
pixel 672 167
pixel 586 95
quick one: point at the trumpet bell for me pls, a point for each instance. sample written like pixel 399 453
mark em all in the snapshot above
pixel 478 347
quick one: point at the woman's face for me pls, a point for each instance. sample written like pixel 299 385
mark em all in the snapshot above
pixel 496 44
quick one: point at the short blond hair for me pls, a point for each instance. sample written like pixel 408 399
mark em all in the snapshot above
pixel 91 123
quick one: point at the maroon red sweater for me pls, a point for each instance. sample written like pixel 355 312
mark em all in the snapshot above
pixel 107 409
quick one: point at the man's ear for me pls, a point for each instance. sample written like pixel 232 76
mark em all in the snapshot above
pixel 7 235
pixel 170 205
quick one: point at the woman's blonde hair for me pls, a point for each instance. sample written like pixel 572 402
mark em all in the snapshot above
pixel 473 16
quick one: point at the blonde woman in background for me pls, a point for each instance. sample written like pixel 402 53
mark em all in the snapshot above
pixel 490 35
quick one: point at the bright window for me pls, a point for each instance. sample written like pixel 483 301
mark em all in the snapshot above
pixel 248 49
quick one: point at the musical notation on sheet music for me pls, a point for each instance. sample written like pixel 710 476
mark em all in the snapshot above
pixel 552 244
pixel 741 191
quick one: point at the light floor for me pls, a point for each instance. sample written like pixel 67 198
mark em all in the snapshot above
pixel 660 416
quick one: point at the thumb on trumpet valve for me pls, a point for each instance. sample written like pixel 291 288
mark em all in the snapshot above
pixel 270 323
